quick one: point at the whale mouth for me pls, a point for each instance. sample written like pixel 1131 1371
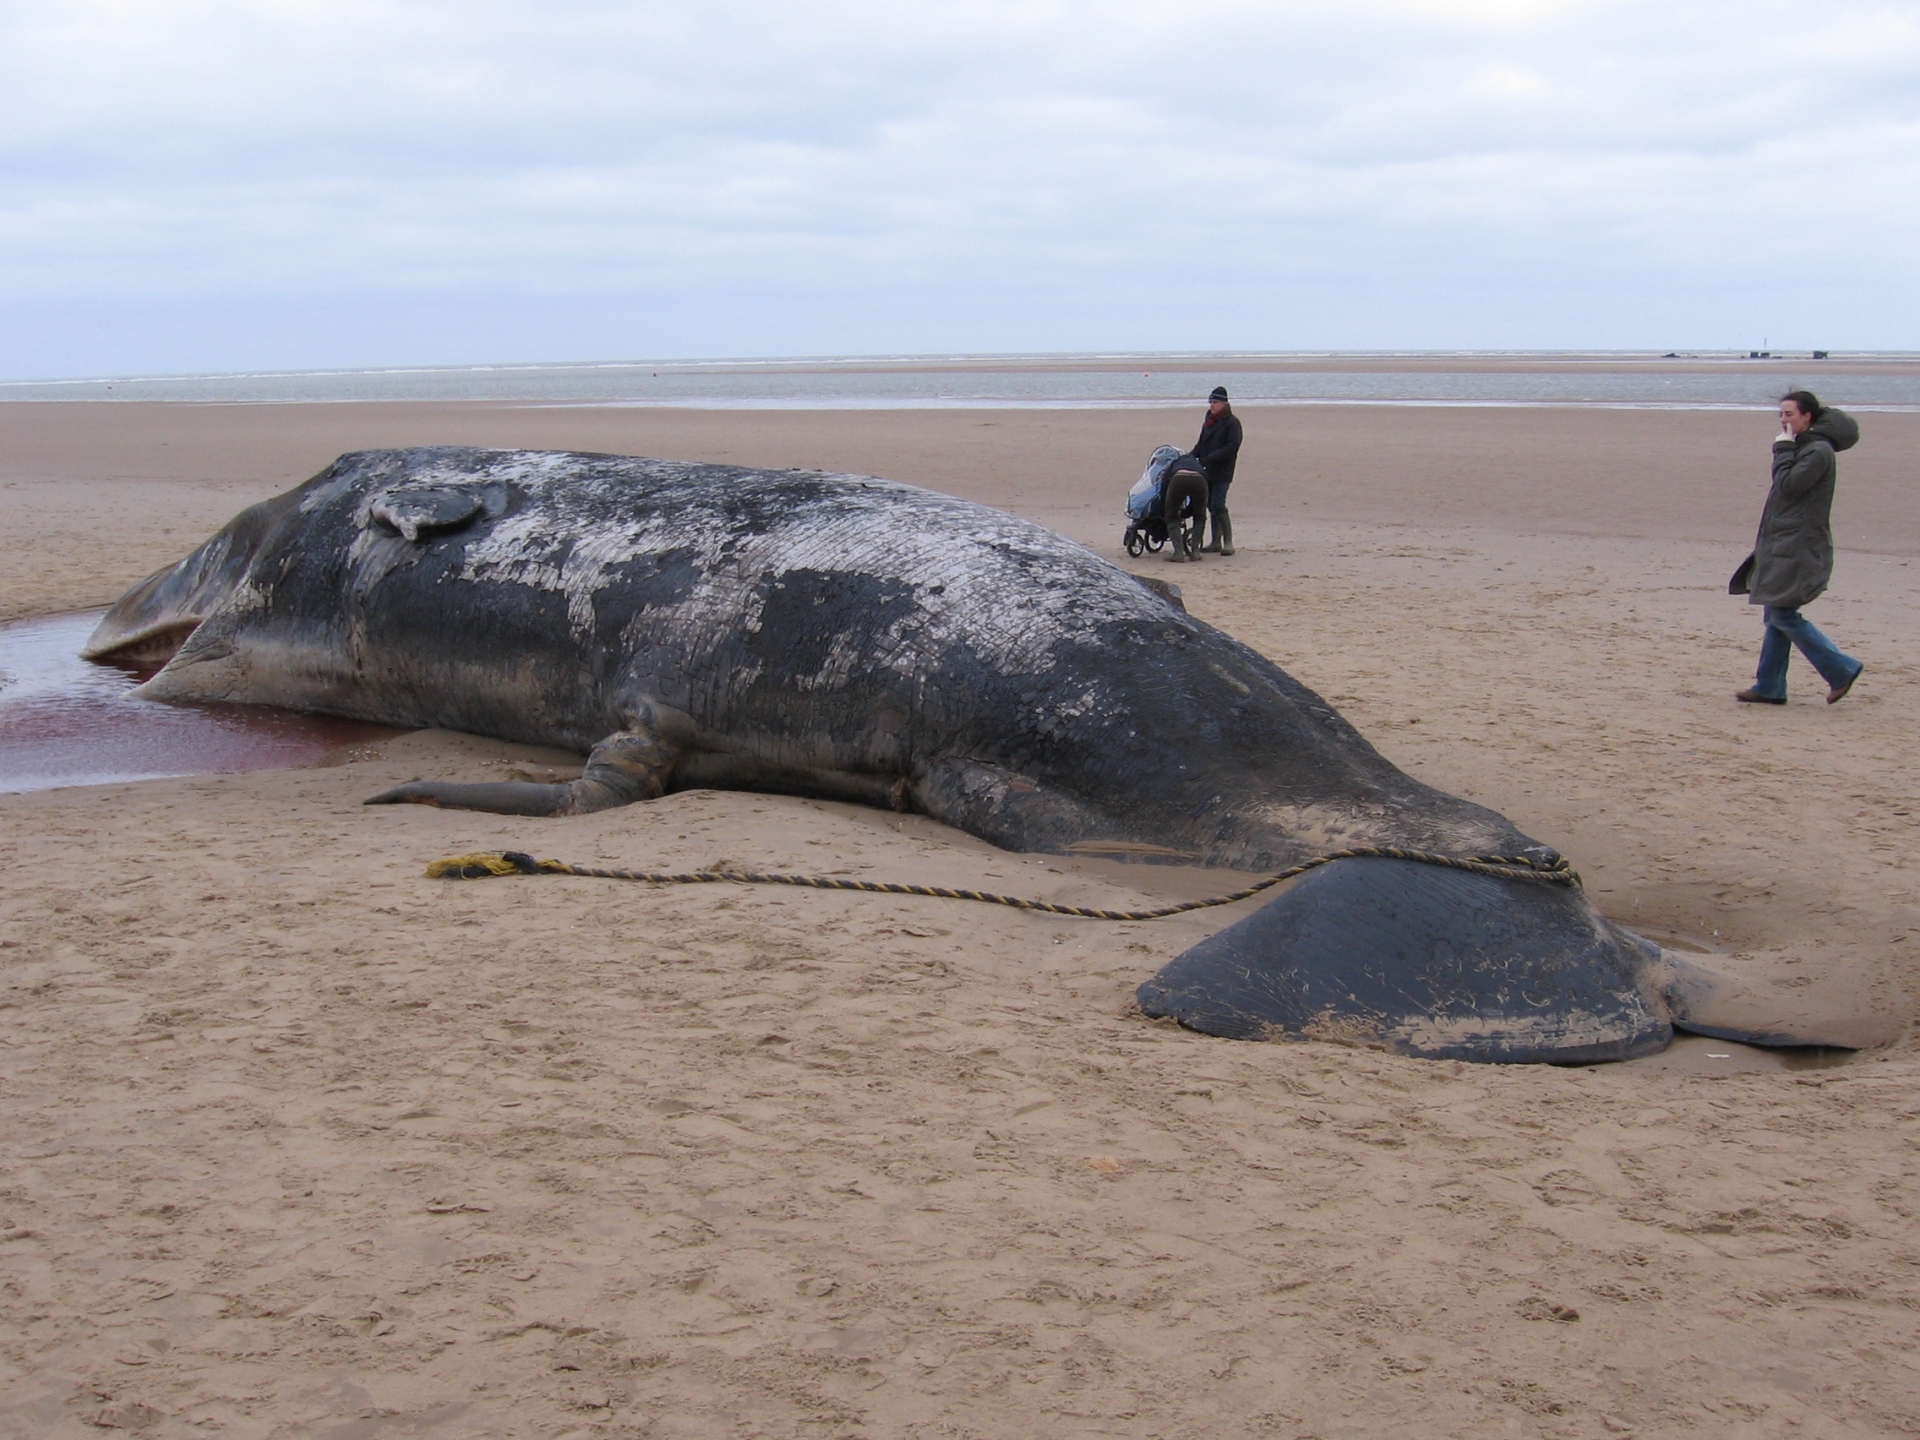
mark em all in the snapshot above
pixel 148 648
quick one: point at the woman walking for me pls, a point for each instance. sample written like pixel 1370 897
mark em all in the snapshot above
pixel 1792 557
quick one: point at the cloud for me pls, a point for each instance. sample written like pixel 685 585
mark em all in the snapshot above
pixel 618 179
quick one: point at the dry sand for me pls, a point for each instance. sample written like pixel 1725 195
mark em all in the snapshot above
pixel 299 1143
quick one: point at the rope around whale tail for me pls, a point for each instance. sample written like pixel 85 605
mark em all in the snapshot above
pixel 513 862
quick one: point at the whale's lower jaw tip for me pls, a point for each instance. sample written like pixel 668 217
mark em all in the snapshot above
pixel 1418 960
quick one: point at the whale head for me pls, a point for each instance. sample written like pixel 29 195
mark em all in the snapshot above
pixel 148 625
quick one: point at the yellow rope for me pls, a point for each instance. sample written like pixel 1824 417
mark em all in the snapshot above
pixel 513 862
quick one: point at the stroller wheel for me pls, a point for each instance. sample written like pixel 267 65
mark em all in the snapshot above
pixel 1133 541
pixel 1155 542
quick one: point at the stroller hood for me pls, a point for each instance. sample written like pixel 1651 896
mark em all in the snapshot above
pixel 1143 499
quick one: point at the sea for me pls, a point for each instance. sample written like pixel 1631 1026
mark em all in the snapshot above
pixel 1703 381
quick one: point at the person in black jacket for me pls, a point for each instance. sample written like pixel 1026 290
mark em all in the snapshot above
pixel 1217 448
pixel 1792 557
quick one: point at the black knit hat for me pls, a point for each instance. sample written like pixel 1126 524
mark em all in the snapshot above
pixel 1219 393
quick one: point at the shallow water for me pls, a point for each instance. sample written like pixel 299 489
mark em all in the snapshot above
pixel 68 721
pixel 1040 382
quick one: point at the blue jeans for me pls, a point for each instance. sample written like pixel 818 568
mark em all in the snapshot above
pixel 1217 497
pixel 1786 629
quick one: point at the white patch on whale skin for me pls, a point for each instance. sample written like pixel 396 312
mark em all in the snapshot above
pixel 1087 702
pixel 523 549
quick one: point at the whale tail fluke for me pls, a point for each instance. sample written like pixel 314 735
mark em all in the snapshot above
pixel 1420 960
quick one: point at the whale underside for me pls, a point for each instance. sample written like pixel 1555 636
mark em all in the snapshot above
pixel 798 632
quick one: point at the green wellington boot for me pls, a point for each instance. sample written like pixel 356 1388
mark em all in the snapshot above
pixel 1223 532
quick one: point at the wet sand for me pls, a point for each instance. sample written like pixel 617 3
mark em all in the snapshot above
pixel 298 1142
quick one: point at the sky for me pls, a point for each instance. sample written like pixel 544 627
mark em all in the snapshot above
pixel 193 186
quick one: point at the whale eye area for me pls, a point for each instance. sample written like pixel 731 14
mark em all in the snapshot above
pixel 421 514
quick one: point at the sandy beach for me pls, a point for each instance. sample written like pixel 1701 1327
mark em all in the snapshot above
pixel 297 1142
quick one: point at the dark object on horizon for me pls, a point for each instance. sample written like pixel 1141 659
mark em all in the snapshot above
pixel 1759 354
pixel 708 626
pixel 1819 354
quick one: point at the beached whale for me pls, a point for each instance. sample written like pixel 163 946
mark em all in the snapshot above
pixel 834 635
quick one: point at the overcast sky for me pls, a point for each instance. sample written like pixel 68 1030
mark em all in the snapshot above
pixel 194 185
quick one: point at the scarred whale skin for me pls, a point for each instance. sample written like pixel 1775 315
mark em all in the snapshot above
pixel 837 635
pixel 784 630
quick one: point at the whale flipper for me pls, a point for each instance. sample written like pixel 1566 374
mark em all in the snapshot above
pixel 625 767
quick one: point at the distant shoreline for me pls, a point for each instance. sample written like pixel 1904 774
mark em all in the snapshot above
pixel 1063 382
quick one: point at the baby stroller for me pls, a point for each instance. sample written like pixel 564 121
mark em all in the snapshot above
pixel 1146 501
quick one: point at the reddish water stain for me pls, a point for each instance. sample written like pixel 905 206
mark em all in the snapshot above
pixel 68 721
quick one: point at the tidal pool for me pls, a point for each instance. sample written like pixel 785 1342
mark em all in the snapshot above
pixel 68 721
